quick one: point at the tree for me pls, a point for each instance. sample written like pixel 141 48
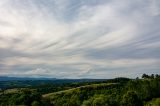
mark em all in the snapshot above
pixel 131 99
pixel 35 103
pixel 157 102
pixel 99 101
pixel 87 103
pixel 144 76
pixel 152 76
pixel 157 76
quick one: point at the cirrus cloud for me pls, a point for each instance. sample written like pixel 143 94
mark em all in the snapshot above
pixel 79 39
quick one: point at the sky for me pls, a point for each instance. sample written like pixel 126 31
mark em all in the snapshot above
pixel 79 38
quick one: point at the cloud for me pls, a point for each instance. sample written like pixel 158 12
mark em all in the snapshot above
pixel 79 39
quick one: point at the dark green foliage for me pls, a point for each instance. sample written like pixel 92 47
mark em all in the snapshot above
pixel 115 92
pixel 153 102
pixel 152 76
pixel 145 76
pixel 122 93
pixel 35 103
pixel 22 97
pixel 131 99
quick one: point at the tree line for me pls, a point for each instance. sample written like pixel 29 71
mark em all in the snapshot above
pixel 114 92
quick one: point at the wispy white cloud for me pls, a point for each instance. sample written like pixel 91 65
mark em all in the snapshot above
pixel 85 38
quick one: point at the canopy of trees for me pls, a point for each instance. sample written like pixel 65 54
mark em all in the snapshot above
pixel 115 92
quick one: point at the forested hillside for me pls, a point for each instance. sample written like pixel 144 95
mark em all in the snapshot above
pixel 115 92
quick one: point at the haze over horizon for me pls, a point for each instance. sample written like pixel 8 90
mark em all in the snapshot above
pixel 79 38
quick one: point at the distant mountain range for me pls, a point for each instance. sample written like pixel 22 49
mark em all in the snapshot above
pixel 6 78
